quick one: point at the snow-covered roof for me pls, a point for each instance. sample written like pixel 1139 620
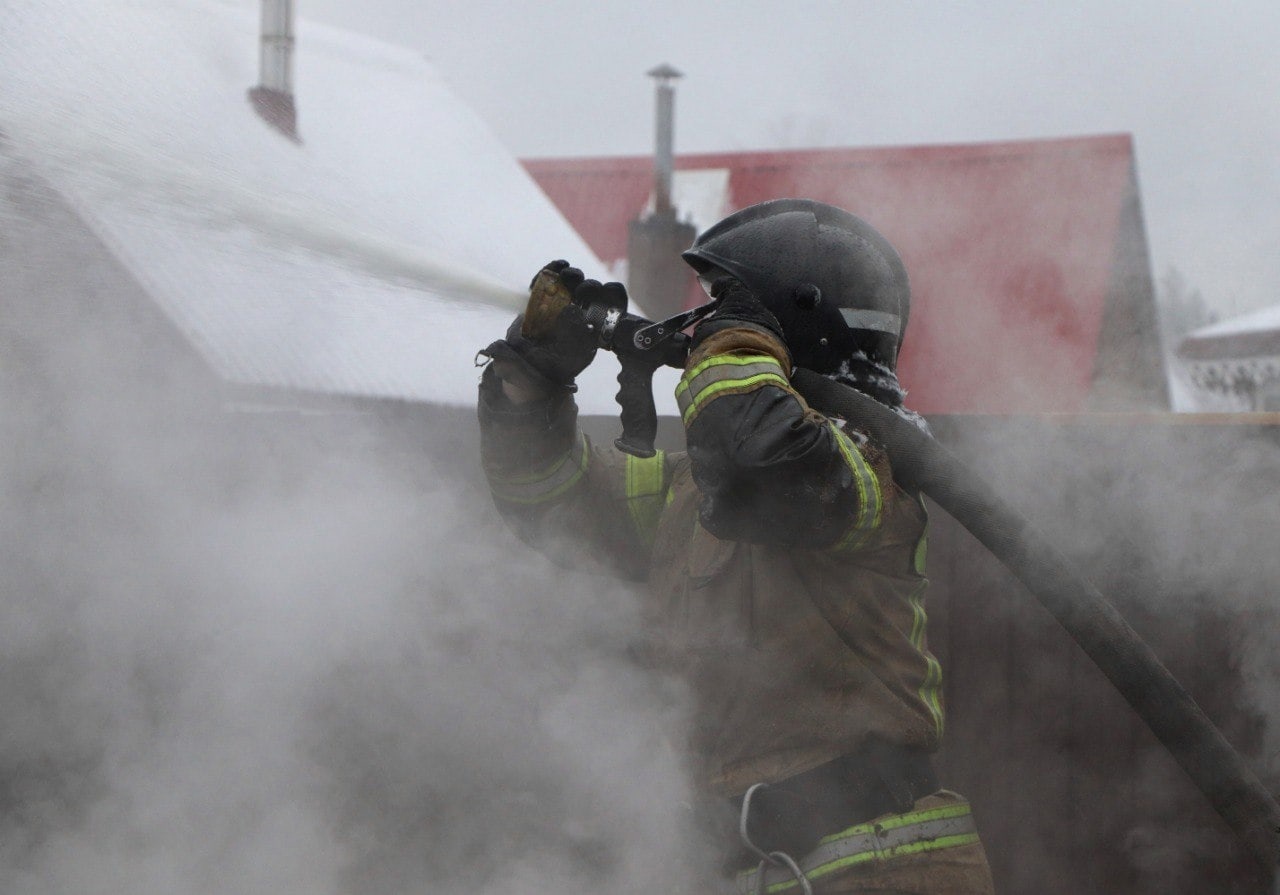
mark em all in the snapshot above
pixel 1264 320
pixel 1256 334
pixel 1233 365
pixel 372 259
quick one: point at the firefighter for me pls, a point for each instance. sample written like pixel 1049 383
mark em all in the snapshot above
pixel 785 569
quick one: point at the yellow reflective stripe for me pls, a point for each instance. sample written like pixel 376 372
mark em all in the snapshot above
pixel 870 497
pixel 931 829
pixel 918 617
pixel 690 378
pixel 644 475
pixel 930 691
pixel 913 848
pixel 895 851
pixel 729 387
pixel 944 812
pixel 723 374
pixel 920 557
pixel 646 497
pixel 546 484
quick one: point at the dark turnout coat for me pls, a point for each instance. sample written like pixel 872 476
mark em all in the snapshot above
pixel 784 568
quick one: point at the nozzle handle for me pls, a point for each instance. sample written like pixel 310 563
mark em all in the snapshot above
pixel 635 398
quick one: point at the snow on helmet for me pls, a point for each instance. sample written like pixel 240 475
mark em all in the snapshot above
pixel 835 284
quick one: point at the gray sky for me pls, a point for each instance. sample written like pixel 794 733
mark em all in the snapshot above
pixel 1195 83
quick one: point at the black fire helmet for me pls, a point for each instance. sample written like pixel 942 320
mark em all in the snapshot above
pixel 835 284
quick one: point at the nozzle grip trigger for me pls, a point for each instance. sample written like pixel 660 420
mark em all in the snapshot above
pixel 635 398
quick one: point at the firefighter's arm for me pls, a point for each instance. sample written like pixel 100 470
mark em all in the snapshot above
pixel 581 505
pixel 770 469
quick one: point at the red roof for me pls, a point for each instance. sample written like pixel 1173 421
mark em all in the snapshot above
pixel 1010 248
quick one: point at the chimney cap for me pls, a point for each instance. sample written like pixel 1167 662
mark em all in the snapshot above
pixel 664 73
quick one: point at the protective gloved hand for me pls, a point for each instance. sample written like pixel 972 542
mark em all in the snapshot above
pixel 603 295
pixel 550 290
pixel 550 344
pixel 738 307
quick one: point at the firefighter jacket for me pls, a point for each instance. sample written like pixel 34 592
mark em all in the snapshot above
pixel 784 567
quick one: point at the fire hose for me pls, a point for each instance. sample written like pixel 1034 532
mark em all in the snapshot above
pixel 921 463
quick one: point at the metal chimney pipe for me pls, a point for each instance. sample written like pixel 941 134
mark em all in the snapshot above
pixel 664 138
pixel 657 278
pixel 276 56
pixel 273 97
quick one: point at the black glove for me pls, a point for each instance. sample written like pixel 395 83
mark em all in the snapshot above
pixel 738 307
pixel 570 276
pixel 553 361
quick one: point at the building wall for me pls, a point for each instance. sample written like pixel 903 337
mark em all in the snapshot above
pixel 1072 792
pixel 1129 371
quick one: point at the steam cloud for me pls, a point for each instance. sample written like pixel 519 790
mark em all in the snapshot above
pixel 1173 518
pixel 275 653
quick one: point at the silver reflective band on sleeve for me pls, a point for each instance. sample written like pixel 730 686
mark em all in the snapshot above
pixel 545 484
pixel 725 374
pixel 912 833
pixel 880 321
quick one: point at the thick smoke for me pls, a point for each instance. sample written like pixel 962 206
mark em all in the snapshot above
pixel 249 652
pixel 246 651
pixel 1173 519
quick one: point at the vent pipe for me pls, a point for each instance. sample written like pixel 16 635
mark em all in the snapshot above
pixel 657 278
pixel 664 138
pixel 273 97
